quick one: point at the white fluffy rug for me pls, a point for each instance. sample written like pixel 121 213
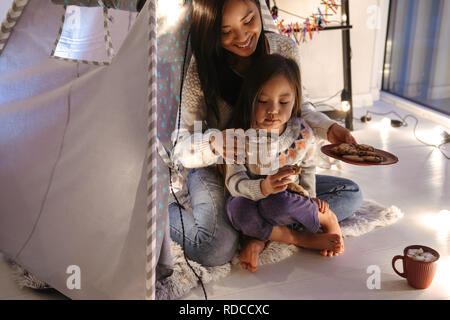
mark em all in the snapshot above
pixel 25 279
pixel 368 217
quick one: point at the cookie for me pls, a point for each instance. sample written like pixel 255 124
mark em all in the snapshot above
pixel 335 150
pixel 376 159
pixel 353 158
pixel 295 188
pixel 367 153
pixel 345 148
pixel 297 169
pixel 357 152
pixel 365 147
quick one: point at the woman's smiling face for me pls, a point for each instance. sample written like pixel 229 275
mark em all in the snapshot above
pixel 241 27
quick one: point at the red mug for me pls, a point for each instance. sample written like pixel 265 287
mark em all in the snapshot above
pixel 419 274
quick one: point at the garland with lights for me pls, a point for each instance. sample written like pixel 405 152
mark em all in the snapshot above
pixel 315 22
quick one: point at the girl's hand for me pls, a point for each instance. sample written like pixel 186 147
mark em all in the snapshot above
pixel 323 206
pixel 278 182
pixel 338 134
pixel 235 138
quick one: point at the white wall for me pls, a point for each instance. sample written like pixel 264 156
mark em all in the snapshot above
pixel 4 7
pixel 322 68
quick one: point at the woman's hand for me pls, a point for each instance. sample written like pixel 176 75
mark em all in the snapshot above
pixel 235 138
pixel 323 206
pixel 278 182
pixel 338 134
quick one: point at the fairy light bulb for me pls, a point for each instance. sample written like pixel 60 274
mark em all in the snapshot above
pixel 386 123
pixel 170 10
pixel 438 133
pixel 433 136
pixel 345 106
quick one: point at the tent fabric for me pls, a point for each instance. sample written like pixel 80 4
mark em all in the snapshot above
pixel 129 5
pixel 73 180
pixel 12 17
pixel 73 141
pixel 87 45
pixel 64 49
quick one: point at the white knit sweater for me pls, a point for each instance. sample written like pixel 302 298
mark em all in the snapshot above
pixel 194 151
pixel 296 146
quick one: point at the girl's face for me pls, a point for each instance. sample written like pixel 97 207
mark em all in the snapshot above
pixel 274 104
pixel 241 27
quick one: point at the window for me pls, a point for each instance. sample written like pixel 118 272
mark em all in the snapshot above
pixel 417 60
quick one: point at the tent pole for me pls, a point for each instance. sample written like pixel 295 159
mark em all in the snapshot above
pixel 152 152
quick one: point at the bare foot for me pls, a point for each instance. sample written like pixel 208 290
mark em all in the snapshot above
pixel 329 253
pixel 250 254
pixel 330 225
pixel 322 241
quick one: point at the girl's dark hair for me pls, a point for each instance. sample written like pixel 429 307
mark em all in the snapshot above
pixel 216 77
pixel 261 71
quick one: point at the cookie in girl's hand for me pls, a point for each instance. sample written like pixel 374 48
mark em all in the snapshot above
pixel 297 169
pixel 296 188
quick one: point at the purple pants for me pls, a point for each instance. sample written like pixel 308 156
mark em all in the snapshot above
pixel 257 218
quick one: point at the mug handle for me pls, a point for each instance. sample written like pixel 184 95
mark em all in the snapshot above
pixel 393 266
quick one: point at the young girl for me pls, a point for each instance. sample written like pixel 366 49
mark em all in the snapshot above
pixel 260 206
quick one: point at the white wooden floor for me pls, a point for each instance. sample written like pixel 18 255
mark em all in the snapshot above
pixel 419 185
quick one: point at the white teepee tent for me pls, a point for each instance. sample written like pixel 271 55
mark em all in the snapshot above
pixel 74 136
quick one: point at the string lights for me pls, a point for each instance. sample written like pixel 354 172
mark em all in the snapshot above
pixel 301 31
pixel 437 138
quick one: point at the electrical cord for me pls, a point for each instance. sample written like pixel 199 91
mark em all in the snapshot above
pixel 396 123
pixel 402 123
pixel 328 99
pixel 170 169
pixel 322 102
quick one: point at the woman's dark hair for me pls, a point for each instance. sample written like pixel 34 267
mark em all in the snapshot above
pixel 260 72
pixel 216 77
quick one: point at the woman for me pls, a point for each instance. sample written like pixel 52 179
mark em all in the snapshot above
pixel 226 37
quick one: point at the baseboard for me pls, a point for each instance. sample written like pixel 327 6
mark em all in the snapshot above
pixel 416 108
pixel 363 100
pixel 442 92
pixel 375 94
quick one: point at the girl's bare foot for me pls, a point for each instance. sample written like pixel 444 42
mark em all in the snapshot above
pixel 250 254
pixel 323 241
pixel 329 253
pixel 330 225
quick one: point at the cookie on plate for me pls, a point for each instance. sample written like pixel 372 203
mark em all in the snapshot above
pixel 376 159
pixel 353 158
pixel 365 147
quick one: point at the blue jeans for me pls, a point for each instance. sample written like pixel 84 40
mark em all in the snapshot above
pixel 342 195
pixel 210 238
